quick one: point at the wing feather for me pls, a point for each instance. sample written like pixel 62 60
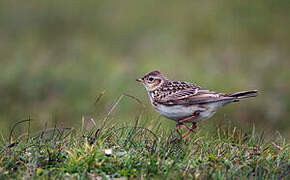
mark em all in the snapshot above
pixel 187 94
pixel 175 91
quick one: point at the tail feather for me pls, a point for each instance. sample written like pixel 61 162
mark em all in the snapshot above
pixel 244 94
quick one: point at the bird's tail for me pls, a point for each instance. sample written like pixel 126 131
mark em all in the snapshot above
pixel 244 94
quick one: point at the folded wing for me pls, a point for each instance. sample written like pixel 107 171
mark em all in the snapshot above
pixel 189 95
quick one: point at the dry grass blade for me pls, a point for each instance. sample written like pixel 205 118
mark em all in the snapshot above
pixel 60 132
pixel 133 97
pixel 99 97
pixel 142 111
pixel 115 105
pixel 15 125
pixel 110 111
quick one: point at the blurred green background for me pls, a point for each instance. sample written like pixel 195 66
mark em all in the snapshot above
pixel 57 56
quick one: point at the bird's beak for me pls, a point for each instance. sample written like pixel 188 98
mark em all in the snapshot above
pixel 140 80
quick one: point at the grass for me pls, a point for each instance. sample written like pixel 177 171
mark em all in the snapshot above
pixel 117 150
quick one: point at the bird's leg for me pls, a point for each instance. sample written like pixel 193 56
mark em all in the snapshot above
pixel 187 128
pixel 195 115
pixel 194 126
pixel 181 123
pixel 178 124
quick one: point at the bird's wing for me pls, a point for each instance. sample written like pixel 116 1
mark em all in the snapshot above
pixel 204 96
pixel 175 90
pixel 187 95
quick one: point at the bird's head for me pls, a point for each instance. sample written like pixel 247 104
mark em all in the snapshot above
pixel 152 80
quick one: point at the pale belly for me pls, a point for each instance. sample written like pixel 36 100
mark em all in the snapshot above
pixel 179 112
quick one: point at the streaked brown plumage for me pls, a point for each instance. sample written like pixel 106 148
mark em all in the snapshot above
pixel 186 102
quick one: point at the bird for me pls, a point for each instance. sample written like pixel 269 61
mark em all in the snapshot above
pixel 185 102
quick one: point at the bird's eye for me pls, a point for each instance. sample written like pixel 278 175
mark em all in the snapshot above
pixel 150 79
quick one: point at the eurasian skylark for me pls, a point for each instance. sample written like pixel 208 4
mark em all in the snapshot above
pixel 185 102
